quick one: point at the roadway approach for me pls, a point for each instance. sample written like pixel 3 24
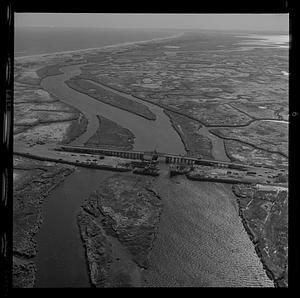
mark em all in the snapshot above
pixel 64 153
pixel 110 159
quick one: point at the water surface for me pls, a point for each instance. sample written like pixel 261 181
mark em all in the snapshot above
pixel 149 134
pixel 60 260
pixel 61 257
pixel 41 40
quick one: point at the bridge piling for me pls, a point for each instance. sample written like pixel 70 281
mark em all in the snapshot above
pixel 169 159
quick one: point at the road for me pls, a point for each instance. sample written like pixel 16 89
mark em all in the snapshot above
pixel 54 153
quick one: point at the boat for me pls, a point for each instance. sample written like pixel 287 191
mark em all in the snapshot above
pixel 178 170
pixel 146 171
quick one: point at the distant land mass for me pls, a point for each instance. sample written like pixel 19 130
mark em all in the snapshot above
pixel 196 125
pixel 42 40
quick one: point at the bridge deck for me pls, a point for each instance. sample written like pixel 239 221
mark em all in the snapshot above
pixel 90 157
pixel 172 157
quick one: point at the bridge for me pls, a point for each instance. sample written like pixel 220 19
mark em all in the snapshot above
pixel 141 155
pixel 146 155
pixel 93 158
pixel 59 153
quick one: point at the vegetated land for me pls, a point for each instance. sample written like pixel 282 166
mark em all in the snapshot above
pixel 268 110
pixel 33 180
pixel 108 97
pixel 197 73
pixel 207 77
pixel 49 70
pixel 31 70
pixel 41 118
pixel 267 135
pixel 118 225
pixel 26 72
pixel 245 153
pixel 195 143
pixel 265 217
pixel 110 135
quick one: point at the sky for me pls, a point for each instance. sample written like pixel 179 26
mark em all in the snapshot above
pixel 255 22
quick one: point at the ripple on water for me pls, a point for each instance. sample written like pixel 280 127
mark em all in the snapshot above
pixel 201 240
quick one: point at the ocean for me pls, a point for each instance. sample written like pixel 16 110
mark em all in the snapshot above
pixel 41 40
pixel 275 40
pixel 209 246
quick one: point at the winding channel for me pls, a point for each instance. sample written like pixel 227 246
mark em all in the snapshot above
pixel 218 150
pixel 60 260
pixel 149 134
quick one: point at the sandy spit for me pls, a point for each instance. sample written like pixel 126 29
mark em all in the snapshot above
pixel 82 51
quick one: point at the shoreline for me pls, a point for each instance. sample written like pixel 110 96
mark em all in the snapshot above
pixel 144 114
pixel 197 242
pixel 116 257
pixel 257 240
pixel 249 144
pixel 180 133
pixel 254 240
pixel 23 261
pixel 53 56
pixel 76 164
pixel 48 55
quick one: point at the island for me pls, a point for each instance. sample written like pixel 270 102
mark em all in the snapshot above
pixel 196 127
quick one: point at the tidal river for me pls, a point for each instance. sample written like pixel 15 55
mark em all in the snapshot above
pixel 60 260
pixel 149 135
